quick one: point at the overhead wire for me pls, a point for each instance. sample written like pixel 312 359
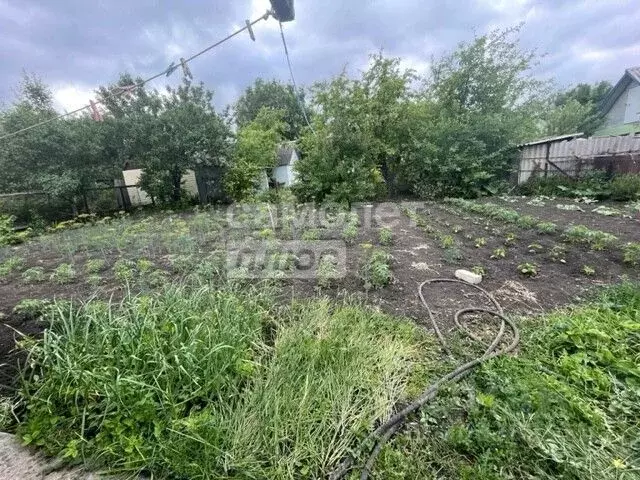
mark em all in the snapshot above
pixel 293 79
pixel 128 88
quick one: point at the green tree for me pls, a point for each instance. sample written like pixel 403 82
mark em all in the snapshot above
pixel 478 103
pixel 274 95
pixel 165 134
pixel 357 134
pixel 255 151
pixel 577 109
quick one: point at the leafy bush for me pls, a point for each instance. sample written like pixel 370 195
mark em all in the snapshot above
pixel 164 383
pixel 63 273
pixel 8 236
pixel 376 269
pixel 33 275
pixel 385 236
pixel 631 252
pixel 625 187
pixel 10 265
pixel 596 239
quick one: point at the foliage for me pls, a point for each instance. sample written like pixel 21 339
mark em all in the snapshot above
pixel 631 253
pixel 8 235
pixel 275 96
pixel 625 187
pixel 385 236
pixel 33 275
pixel 163 383
pixel 577 110
pixel 356 135
pixel 327 271
pixel 588 271
pixel 10 265
pixel 528 269
pixel 94 265
pixel 564 407
pixel 479 270
pixel 498 253
pixel 254 153
pixel 63 273
pixel 375 271
pixel 479 103
pixel 596 239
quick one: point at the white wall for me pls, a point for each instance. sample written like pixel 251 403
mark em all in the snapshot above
pixel 139 197
pixel 284 175
pixel 626 108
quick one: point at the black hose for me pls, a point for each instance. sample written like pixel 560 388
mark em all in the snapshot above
pixel 385 431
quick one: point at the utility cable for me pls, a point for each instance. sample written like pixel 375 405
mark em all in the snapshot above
pixel 128 88
pixel 385 431
pixel 293 79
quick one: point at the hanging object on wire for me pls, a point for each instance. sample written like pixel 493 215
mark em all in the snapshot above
pixel 185 69
pixel 283 10
pixel 171 68
pixel 95 113
pixel 250 30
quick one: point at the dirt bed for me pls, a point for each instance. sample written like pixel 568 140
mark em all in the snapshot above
pixel 437 240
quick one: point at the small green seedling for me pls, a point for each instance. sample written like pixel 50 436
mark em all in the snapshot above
pixel 588 271
pixel 546 228
pixel 456 229
pixel 327 271
pixel 528 269
pixel 350 233
pixel 94 265
pixel 558 253
pixel 479 270
pixel 480 242
pixel 310 235
pixel 631 253
pixel 499 252
pixel 535 248
pixel 447 241
pixel 510 239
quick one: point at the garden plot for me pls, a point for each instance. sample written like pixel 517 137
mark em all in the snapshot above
pixel 620 219
pixel 530 264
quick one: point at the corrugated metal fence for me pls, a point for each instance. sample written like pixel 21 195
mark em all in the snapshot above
pixel 619 154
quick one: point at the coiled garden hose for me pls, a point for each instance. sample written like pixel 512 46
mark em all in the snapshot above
pixel 385 431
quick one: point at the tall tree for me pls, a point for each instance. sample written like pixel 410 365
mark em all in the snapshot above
pixel 576 109
pixel 357 134
pixel 275 95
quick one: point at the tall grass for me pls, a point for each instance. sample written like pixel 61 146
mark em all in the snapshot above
pixel 191 383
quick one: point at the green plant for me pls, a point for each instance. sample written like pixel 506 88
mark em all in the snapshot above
pixel 596 239
pixel 266 234
pixel 499 252
pixel 447 241
pixel 327 271
pixel 63 273
pixel 124 270
pixel 480 242
pixel 311 234
pixel 535 248
pixel 456 229
pixel 479 270
pixel 350 233
pixel 546 227
pixel 33 275
pixel 94 265
pixel 528 269
pixel 153 375
pixel 558 253
pixel 144 265
pixel 452 255
pixel 94 279
pixel 510 239
pixel 588 271
pixel 631 253
pixel 376 269
pixel 31 307
pixel 625 187
pixel 8 234
pixel 385 236
pixel 10 265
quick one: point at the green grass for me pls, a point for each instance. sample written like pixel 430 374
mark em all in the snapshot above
pixel 567 406
pixel 194 383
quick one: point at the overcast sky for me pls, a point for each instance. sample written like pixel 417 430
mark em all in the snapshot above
pixel 76 45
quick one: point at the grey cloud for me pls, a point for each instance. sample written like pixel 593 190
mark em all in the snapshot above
pixel 89 43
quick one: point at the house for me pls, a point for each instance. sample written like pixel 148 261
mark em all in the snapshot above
pixel 284 175
pixel 621 106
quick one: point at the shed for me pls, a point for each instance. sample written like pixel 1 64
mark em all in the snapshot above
pixel 284 174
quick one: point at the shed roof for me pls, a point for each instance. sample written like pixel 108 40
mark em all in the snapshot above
pixel 552 139
pixel 631 75
pixel 285 153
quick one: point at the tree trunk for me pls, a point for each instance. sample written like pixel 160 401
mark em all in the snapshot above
pixel 176 180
